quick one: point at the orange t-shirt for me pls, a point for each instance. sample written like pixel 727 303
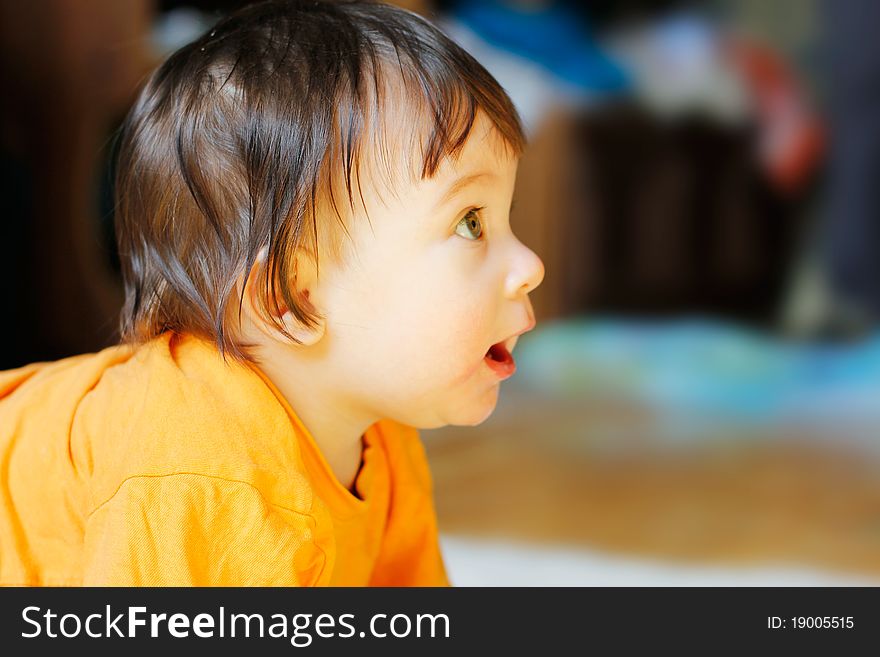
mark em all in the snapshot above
pixel 164 465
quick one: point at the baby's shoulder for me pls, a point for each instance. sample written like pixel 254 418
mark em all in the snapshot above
pixel 187 412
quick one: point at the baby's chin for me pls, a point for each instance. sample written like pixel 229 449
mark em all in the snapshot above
pixel 470 412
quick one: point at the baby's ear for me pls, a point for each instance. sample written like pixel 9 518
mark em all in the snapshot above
pixel 302 287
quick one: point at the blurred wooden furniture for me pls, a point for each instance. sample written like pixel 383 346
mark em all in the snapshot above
pixel 633 215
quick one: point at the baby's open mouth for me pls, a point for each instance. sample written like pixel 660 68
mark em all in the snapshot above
pixel 500 360
pixel 498 352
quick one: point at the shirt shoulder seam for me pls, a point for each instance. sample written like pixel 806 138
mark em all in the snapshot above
pixel 203 476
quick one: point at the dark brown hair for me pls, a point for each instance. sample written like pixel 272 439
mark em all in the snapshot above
pixel 239 137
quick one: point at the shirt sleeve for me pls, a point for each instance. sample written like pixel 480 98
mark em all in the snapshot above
pixel 196 530
pixel 410 554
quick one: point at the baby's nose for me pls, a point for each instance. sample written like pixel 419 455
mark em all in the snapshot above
pixel 526 272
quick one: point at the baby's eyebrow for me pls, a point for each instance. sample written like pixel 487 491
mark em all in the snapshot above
pixel 460 184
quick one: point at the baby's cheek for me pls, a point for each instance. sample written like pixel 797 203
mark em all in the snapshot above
pixel 433 355
pixel 465 343
pixel 444 324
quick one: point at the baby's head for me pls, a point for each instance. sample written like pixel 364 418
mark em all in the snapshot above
pixel 327 186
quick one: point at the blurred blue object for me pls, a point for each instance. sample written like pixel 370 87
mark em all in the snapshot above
pixel 699 370
pixel 553 35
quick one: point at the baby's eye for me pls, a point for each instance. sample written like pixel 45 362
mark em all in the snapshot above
pixel 470 227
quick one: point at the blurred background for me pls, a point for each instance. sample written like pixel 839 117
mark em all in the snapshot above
pixel 700 404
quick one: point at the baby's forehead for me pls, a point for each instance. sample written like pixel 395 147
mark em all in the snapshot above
pixel 485 146
pixel 395 164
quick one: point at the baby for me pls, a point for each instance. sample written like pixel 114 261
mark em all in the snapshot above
pixel 313 219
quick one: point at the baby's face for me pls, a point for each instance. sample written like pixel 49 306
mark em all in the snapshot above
pixel 432 282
